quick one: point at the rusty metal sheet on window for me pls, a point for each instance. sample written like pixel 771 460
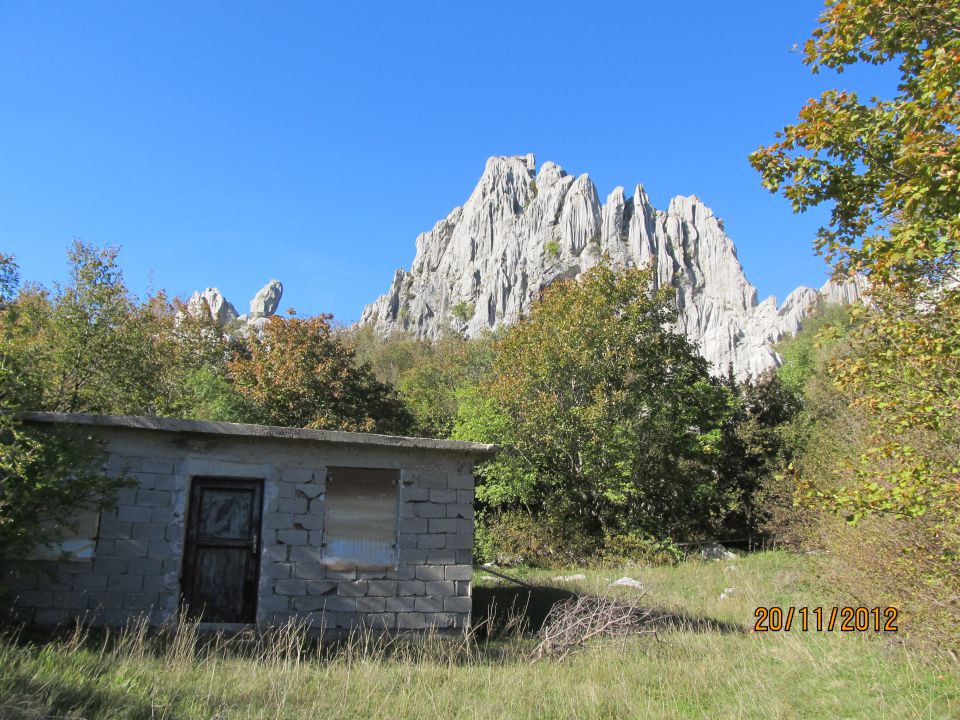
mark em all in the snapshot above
pixel 360 526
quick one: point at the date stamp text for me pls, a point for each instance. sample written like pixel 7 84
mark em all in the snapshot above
pixel 819 619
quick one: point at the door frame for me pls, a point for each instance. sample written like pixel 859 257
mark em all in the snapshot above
pixel 187 566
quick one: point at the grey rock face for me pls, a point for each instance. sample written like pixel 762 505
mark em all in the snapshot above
pixel 521 229
pixel 267 299
pixel 212 302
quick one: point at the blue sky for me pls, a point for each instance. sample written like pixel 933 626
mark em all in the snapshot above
pixel 225 143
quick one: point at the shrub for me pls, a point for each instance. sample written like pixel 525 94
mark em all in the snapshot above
pixel 635 548
pixel 463 311
pixel 516 537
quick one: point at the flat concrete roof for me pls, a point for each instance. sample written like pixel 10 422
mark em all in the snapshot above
pixel 207 427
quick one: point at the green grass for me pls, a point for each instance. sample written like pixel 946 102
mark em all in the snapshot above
pixel 716 673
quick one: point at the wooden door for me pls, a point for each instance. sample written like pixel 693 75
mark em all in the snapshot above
pixel 221 555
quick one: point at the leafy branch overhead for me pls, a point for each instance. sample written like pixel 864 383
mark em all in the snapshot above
pixel 890 167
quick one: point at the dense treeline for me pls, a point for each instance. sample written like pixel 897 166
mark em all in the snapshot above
pixel 617 439
pixel 90 346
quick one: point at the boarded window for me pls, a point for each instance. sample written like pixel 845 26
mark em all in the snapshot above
pixel 360 527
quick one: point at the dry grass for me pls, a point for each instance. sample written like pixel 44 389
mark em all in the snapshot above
pixel 703 667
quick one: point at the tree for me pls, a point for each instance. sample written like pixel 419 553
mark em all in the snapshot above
pixel 298 374
pixel 9 278
pixel 45 476
pixel 429 375
pixel 610 421
pixel 87 347
pixel 891 169
pixel 753 449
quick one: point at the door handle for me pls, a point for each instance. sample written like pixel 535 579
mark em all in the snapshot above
pixel 253 545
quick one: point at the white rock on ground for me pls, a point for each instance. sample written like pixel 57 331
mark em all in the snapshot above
pixel 521 229
pixel 715 551
pixel 570 578
pixel 627 582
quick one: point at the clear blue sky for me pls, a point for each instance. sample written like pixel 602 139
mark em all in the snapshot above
pixel 225 143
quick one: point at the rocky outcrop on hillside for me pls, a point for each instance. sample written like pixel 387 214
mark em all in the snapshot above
pixel 213 304
pixel 521 229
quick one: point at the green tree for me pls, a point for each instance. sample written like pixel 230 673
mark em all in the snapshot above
pixel 87 347
pixel 9 278
pixel 297 373
pixel 45 476
pixel 753 448
pixel 611 422
pixel 431 376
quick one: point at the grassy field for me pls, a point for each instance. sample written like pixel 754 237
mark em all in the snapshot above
pixel 710 666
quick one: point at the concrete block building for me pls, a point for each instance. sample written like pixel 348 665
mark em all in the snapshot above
pixel 237 525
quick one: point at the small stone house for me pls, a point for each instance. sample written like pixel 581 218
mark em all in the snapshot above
pixel 236 525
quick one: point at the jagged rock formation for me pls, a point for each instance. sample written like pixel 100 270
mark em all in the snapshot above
pixel 521 229
pixel 212 303
pixel 267 299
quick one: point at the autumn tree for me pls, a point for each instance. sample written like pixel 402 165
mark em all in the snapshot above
pixel 87 346
pixel 296 373
pixel 890 168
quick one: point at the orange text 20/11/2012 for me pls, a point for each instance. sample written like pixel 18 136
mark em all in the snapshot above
pixel 818 619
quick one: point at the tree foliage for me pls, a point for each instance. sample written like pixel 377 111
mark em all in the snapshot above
pixel 753 449
pixel 431 377
pixel 891 167
pixel 45 476
pixel 610 420
pixel 298 374
pixel 91 346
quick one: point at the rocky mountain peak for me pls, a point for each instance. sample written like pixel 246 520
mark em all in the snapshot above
pixel 522 228
pixel 213 304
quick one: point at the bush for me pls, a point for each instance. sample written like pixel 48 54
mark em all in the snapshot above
pixel 463 311
pixel 516 537
pixel 637 549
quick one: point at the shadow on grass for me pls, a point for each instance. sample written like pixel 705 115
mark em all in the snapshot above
pixel 23 697
pixel 497 609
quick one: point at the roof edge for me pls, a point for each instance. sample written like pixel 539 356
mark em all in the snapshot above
pixel 209 427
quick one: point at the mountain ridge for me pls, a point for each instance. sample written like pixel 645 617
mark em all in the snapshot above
pixel 522 228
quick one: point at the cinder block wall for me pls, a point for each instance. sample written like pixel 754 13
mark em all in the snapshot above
pixel 139 550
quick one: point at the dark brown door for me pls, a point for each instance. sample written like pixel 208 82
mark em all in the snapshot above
pixel 220 559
